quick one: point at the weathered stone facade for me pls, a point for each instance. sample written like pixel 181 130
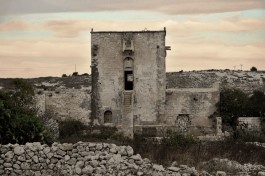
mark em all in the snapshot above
pixel 190 109
pixel 129 87
pixel 128 78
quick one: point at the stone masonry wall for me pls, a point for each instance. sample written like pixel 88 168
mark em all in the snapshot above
pixel 121 56
pixel 249 123
pixel 79 159
pixel 190 109
pixel 63 98
pixel 65 104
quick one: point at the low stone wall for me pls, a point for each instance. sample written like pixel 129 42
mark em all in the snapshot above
pixel 79 159
pixel 249 123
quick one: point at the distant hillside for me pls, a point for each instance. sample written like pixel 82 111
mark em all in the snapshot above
pixel 51 83
pixel 244 80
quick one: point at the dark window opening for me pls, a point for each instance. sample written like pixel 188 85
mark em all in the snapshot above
pixel 94 50
pixel 108 117
pixel 128 80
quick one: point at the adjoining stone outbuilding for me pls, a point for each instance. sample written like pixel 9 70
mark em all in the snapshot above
pixel 129 87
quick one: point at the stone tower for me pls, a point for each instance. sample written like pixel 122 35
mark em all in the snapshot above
pixel 128 78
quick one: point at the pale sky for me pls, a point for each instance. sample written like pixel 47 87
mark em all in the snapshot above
pixel 49 37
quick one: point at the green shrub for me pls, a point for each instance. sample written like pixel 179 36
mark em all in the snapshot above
pixel 71 128
pixel 18 120
pixel 75 74
pixel 253 69
pixel 119 137
pixel 105 133
pixel 232 105
pixel 175 139
pixel 246 136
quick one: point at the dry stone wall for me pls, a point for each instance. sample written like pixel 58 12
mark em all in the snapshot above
pixel 85 158
pixel 79 159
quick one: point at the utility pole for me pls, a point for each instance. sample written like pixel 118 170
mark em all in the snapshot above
pixel 75 67
pixel 241 66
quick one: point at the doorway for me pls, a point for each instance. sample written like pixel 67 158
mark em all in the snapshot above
pixel 128 80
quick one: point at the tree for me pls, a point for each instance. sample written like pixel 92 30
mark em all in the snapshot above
pixel 18 120
pixel 256 104
pixel 253 69
pixel 75 74
pixel 232 105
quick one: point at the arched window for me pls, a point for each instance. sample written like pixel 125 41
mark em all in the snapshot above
pixel 128 63
pixel 108 116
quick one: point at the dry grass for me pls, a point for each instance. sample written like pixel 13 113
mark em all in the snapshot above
pixel 197 153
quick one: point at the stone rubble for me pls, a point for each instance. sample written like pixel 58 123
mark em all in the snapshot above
pixel 256 144
pixel 85 158
pixel 232 167
pixel 81 158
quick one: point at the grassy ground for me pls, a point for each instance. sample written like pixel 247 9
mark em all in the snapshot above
pixel 186 151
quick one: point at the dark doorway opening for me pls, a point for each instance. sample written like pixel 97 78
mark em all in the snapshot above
pixel 107 116
pixel 128 80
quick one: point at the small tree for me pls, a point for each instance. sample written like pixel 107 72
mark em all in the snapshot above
pixel 64 75
pixel 232 105
pixel 75 74
pixel 18 120
pixel 256 104
pixel 253 69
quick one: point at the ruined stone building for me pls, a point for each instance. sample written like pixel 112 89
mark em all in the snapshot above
pixel 129 87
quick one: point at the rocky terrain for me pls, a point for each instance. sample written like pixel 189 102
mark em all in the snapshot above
pixel 103 159
pixel 247 81
pixel 244 80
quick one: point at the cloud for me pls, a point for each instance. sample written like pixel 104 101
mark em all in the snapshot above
pixel 56 56
pixel 44 57
pixel 169 6
pixel 15 25
pixel 196 55
pixel 72 28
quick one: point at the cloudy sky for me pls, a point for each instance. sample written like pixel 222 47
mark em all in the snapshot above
pixel 49 37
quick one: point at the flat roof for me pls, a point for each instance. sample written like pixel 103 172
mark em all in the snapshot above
pixel 142 31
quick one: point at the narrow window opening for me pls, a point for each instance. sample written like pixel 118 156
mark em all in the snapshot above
pixel 107 116
pixel 128 79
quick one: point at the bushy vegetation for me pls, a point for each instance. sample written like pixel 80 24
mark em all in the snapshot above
pixel 18 120
pixel 241 136
pixel 196 152
pixel 234 103
pixel 253 69
pixel 75 74
pixel 70 128
pixel 176 139
pixel 73 131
